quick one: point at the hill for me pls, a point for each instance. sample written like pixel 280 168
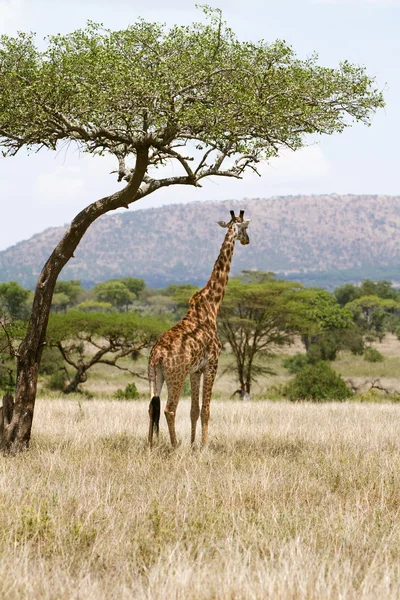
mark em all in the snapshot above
pixel 315 239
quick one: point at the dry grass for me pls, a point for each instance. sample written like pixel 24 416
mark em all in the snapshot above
pixel 289 501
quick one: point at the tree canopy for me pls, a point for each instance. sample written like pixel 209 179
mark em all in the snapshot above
pixel 118 91
pixel 87 339
pixel 255 318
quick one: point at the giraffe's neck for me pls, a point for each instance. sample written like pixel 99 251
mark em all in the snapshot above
pixel 213 292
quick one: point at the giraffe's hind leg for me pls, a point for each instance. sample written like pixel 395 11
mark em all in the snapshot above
pixel 174 393
pixel 195 379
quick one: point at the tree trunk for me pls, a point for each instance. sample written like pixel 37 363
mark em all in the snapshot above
pixel 79 377
pixel 6 414
pixel 17 433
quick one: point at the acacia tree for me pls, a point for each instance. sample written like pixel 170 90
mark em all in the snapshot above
pixel 192 95
pixel 88 339
pixel 257 315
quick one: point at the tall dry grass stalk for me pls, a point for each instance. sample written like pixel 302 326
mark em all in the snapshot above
pixel 289 501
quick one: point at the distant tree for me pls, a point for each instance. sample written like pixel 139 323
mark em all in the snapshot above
pixel 324 317
pixel 255 318
pixel 94 306
pixel 383 289
pixel 115 292
pixel 13 300
pixel 60 302
pixel 346 293
pixel 372 312
pixel 180 295
pixel 72 290
pixel 87 339
pixel 134 284
pixel 194 95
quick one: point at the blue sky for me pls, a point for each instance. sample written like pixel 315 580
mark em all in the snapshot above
pixel 48 189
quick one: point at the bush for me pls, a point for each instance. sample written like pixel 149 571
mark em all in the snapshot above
pixel 373 355
pixel 326 345
pixel 51 361
pixel 296 362
pixel 317 382
pixel 129 393
pixel 58 380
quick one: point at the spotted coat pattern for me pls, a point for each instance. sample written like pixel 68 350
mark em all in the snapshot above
pixel 192 346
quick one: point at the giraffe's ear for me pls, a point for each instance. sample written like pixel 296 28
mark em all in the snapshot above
pixel 223 223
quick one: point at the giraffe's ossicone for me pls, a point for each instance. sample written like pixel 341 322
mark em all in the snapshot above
pixel 192 346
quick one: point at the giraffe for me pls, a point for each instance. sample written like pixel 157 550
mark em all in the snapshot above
pixel 192 346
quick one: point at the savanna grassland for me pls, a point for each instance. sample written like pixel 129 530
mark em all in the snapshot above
pixel 289 501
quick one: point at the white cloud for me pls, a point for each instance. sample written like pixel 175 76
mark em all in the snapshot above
pixel 307 163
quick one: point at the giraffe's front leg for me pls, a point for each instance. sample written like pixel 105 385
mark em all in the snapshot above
pixel 208 382
pixel 195 379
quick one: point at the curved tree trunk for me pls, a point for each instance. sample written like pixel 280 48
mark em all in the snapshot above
pixel 73 386
pixel 17 433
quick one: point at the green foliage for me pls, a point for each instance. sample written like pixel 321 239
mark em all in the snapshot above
pixel 323 312
pixel 51 362
pixel 123 327
pixel 7 374
pixel 129 393
pixel 134 284
pixel 346 293
pixel 114 292
pixel 375 315
pixel 186 388
pixel 317 382
pixel 255 317
pixel 57 381
pixel 327 344
pixel 85 339
pixel 180 295
pixel 59 302
pixel 109 89
pixel 11 334
pixel 373 355
pixel 13 300
pixel 295 363
pixel 71 289
pixel 94 306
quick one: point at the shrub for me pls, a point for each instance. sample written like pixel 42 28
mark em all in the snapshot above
pixel 129 393
pixel 51 361
pixel 296 362
pixel 317 382
pixel 274 392
pixel 57 380
pixel 373 355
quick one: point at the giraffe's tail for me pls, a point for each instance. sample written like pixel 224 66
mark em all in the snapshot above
pixel 154 412
pixel 156 380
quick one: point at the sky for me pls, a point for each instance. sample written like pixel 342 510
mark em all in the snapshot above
pixel 48 188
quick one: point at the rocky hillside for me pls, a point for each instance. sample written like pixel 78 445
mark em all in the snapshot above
pixel 296 235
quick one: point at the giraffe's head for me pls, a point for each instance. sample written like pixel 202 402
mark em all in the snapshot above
pixel 239 225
